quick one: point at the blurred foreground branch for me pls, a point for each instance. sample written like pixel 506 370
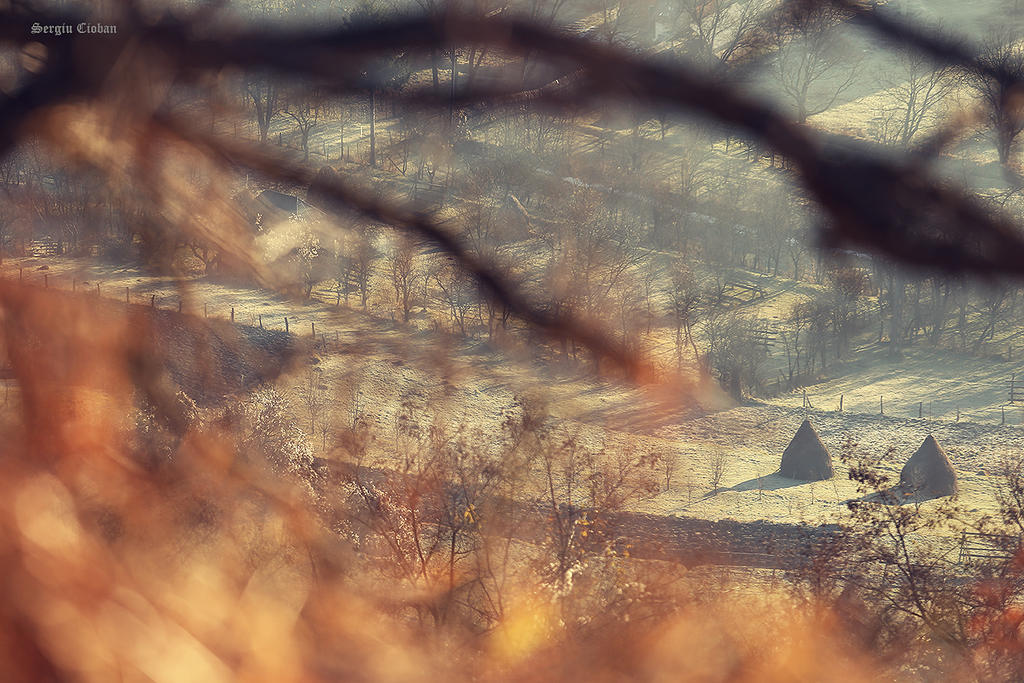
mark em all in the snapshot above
pixel 912 215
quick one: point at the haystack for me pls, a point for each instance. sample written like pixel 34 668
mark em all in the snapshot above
pixel 929 470
pixel 806 457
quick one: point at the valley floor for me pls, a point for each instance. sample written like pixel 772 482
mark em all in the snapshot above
pixel 379 371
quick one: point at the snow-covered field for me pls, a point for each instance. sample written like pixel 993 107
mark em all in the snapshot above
pixel 753 438
pixel 380 371
pixel 385 368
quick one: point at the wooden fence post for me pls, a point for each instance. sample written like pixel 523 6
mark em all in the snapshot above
pixel 840 403
pixel 313 324
pixel 206 313
pixel 152 301
pixel 958 413
pixel 920 409
pixel 1003 409
pixel 126 299
pixel 232 314
pixel 261 320
pixel 881 406
pixel 97 289
pixel 286 324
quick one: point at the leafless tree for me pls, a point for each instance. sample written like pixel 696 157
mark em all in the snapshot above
pixel 306 110
pixel 457 293
pixel 309 260
pixel 917 94
pixel 848 285
pixel 810 67
pixel 904 585
pixel 312 393
pixel 343 267
pixel 264 96
pixel 403 270
pixel 1002 60
pixel 717 468
pixel 685 301
pixel 363 258
pixel 383 75
pixel 732 351
pixel 722 28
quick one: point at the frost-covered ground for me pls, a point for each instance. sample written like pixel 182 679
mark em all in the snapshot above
pixel 477 384
pixel 937 384
pixel 381 370
pixel 753 438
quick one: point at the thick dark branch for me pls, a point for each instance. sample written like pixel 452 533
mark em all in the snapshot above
pixel 892 206
pixel 488 278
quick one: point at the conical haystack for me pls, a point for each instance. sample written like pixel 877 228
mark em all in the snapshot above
pixel 806 457
pixel 929 470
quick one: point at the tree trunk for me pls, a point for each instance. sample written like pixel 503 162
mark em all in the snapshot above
pixel 373 127
pixel 433 66
pixel 451 101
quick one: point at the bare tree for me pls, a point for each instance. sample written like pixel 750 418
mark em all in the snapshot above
pixel 904 585
pixel 306 110
pixel 722 28
pixel 263 93
pixel 458 294
pixel 732 351
pixel 385 74
pixel 343 268
pixel 1001 61
pixel 848 285
pixel 7 218
pixel 426 524
pixel 312 393
pixel 809 65
pixel 669 467
pixel 362 259
pixel 309 260
pixel 717 467
pixel 918 92
pixel 685 301
pixel 403 272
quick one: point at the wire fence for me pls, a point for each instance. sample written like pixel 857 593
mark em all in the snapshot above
pixel 319 332
pixel 327 338
pixel 898 407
